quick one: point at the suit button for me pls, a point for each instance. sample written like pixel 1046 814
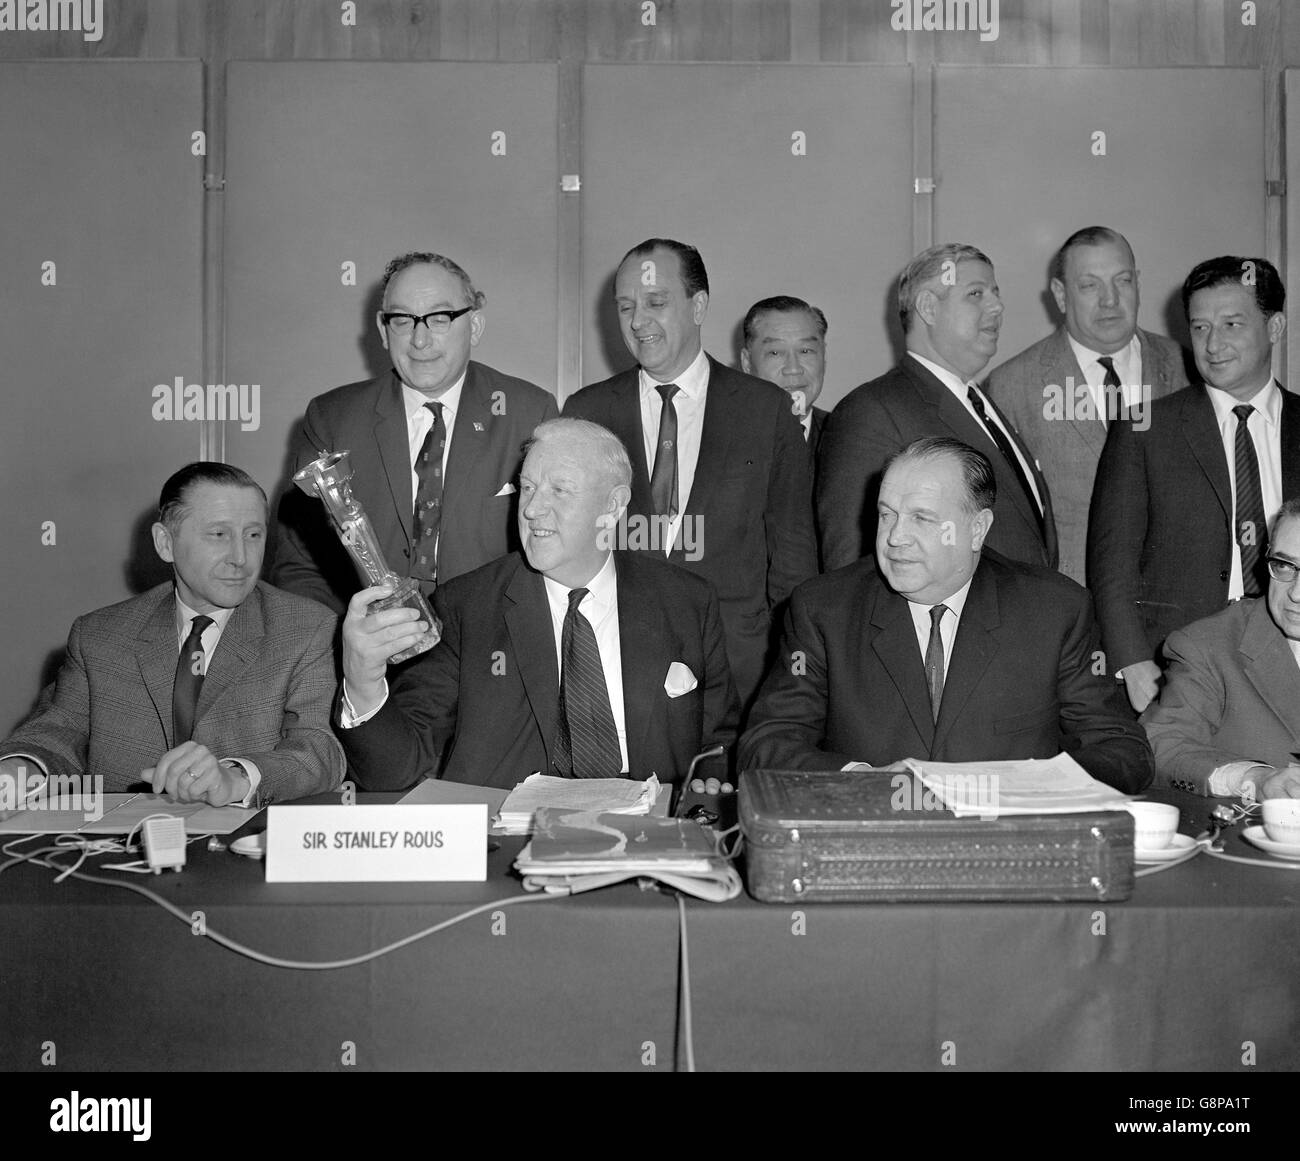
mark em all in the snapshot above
pixel 1223 576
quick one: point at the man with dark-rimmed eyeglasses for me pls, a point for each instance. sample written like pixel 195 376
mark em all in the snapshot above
pixel 1228 716
pixel 435 443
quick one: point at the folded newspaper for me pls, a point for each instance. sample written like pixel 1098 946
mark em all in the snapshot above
pixel 613 795
pixel 576 850
pixel 1056 785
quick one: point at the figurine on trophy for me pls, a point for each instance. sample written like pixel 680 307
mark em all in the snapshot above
pixel 329 480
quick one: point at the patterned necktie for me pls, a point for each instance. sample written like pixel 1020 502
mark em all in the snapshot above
pixel 999 437
pixel 1114 390
pixel 188 683
pixel 428 499
pixel 663 481
pixel 934 660
pixel 1250 505
pixel 586 740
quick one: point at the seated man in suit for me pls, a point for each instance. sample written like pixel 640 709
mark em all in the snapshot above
pixel 722 476
pixel 214 688
pixel 951 312
pixel 1063 392
pixel 939 649
pixel 435 444
pixel 1229 713
pixel 569 659
pixel 785 343
pixel 1182 503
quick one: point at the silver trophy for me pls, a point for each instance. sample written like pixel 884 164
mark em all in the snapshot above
pixel 329 480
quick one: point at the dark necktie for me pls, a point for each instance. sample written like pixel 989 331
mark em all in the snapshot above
pixel 999 437
pixel 1114 390
pixel 663 481
pixel 934 660
pixel 1250 504
pixel 189 680
pixel 586 740
pixel 428 499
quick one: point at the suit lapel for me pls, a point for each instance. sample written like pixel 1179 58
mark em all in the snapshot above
pixel 645 643
pixel 469 446
pixel 1062 368
pixel 720 420
pixel 896 645
pixel 393 443
pixel 972 650
pixel 1290 441
pixel 156 652
pixel 237 650
pixel 532 639
pixel 1271 668
pixel 625 421
pixel 1201 431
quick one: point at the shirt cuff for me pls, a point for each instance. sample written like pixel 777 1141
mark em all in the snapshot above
pixel 252 773
pixel 348 716
pixel 32 758
pixel 1228 780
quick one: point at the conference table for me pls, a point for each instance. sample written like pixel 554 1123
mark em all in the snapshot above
pixel 1199 970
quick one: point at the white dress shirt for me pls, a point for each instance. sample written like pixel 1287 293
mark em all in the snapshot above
pixel 1128 369
pixel 947 635
pixel 1265 425
pixel 211 635
pixel 959 390
pixel 600 607
pixel 692 392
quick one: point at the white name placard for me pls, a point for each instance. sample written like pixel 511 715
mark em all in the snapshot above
pixel 380 844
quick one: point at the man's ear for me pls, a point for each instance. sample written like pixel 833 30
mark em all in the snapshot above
pixel 1276 327
pixel 477 324
pixel 1058 293
pixel 699 306
pixel 383 330
pixel 924 307
pixel 619 497
pixel 980 528
pixel 745 362
pixel 162 541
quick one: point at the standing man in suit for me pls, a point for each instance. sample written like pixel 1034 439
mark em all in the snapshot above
pixel 571 659
pixel 1182 504
pixel 721 474
pixel 212 688
pixel 1064 391
pixel 785 343
pixel 941 650
pixel 435 443
pixel 951 313
pixel 1228 716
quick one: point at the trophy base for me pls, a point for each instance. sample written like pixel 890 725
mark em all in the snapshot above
pixel 408 596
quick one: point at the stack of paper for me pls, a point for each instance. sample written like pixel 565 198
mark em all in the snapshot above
pixel 1056 785
pixel 593 795
pixel 576 850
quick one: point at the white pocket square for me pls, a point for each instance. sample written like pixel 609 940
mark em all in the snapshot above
pixel 680 680
pixel 507 490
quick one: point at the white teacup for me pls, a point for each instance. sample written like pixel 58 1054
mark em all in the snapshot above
pixel 1154 824
pixel 1282 820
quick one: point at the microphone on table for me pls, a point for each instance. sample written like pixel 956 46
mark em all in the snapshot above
pixel 715 751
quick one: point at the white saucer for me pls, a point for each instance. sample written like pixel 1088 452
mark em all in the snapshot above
pixel 1179 846
pixel 252 846
pixel 1259 836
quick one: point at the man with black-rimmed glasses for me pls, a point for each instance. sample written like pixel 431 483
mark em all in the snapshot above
pixel 435 443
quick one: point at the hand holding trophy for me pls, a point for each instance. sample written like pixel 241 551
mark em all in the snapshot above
pixel 329 480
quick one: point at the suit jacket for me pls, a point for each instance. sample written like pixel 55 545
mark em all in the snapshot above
pixel 497 414
pixel 1231 694
pixel 482 705
pixel 882 417
pixel 751 500
pixel 1066 442
pixel 266 696
pixel 1019 683
pixel 1160 529
pixel 815 429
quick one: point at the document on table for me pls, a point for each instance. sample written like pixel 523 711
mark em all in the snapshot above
pixel 592 795
pixel 1056 785
pixel 120 813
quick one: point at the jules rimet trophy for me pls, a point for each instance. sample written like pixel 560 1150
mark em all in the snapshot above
pixel 329 480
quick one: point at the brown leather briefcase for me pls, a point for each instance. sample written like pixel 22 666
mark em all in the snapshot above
pixel 869 838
